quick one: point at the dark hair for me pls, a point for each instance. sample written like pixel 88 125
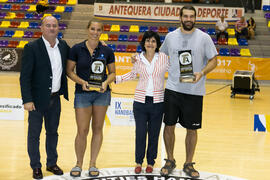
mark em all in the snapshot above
pixel 148 35
pixel 252 20
pixel 94 20
pixel 188 7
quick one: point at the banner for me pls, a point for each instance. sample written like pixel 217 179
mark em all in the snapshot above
pixel 11 109
pixel 228 65
pixel 120 112
pixel 123 63
pixel 262 122
pixel 225 68
pixel 10 59
pixel 165 13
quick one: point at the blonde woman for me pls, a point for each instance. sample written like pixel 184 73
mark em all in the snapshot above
pixel 90 104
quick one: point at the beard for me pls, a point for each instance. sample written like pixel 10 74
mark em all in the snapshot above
pixel 188 27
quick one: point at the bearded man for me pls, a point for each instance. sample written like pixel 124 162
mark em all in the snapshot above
pixel 183 100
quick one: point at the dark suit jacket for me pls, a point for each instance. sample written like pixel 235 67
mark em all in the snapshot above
pixel 36 73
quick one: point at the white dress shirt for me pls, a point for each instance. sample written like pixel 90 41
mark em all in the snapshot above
pixel 56 64
pixel 222 25
pixel 150 70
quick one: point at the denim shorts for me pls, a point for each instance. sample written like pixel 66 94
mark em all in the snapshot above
pixel 93 98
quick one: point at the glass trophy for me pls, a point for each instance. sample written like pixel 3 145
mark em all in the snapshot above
pixel 186 67
pixel 97 74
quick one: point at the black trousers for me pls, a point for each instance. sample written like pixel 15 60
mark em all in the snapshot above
pixel 148 119
pixel 51 120
pixel 219 33
pixel 250 4
pixel 244 32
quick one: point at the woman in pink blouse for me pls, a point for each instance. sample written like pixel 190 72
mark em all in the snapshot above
pixel 151 65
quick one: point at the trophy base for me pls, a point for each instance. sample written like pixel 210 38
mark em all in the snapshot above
pixel 187 79
pixel 94 87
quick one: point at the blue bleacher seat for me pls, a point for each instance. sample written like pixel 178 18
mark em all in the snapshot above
pixel 6 7
pixel 266 7
pixel 162 38
pixel 224 52
pixel 60 35
pixel 57 16
pixel 33 25
pixel 139 48
pixel 172 29
pixel 112 46
pixel 29 16
pixel 68 9
pixel 211 31
pixel 143 28
pixel 242 42
pixel 122 37
pixel 9 33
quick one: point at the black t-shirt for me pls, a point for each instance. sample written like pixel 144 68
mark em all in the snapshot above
pixel 80 54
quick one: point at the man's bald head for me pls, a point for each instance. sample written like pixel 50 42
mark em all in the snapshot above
pixel 49 28
pixel 47 18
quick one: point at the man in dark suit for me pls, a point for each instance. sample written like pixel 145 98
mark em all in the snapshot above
pixel 43 80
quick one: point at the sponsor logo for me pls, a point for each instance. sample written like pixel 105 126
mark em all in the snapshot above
pixel 8 58
pixel 128 174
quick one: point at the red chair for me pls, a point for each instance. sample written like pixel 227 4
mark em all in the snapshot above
pixel 19 16
pixel 140 38
pixel 13 44
pixel 113 37
pixel 37 35
pixel 106 27
pixel 131 48
pixel 15 7
pixel 162 29
pixel 2 33
pixel 28 1
pixel 14 24
pixel 63 2
pixel 222 41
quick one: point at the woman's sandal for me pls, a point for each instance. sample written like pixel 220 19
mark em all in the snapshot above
pixel 169 166
pixel 93 172
pixel 189 170
pixel 76 171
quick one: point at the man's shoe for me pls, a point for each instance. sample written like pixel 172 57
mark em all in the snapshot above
pixel 37 173
pixel 55 170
